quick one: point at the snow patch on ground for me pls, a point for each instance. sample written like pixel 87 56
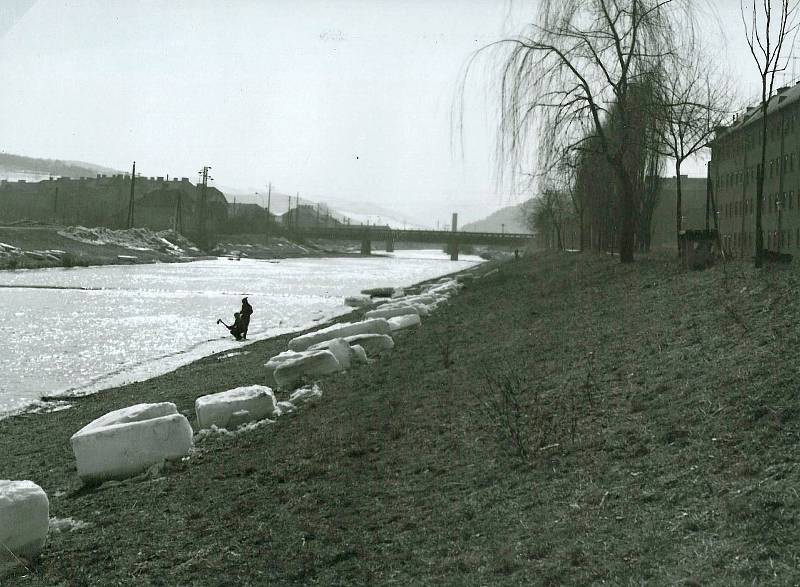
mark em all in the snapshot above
pixel 137 239
pixel 67 525
pixel 214 430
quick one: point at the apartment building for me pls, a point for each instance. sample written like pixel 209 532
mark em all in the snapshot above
pixel 735 162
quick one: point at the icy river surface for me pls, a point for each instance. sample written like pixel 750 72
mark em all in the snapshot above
pixel 79 330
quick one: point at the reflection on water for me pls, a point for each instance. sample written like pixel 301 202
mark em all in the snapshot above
pixel 130 322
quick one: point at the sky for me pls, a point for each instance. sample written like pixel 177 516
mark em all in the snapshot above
pixel 339 99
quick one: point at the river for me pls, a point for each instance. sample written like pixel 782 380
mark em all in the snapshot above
pixel 79 330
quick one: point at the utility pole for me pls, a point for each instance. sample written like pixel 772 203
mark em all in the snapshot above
pixel 202 233
pixel 130 202
pixel 179 214
pixel 269 201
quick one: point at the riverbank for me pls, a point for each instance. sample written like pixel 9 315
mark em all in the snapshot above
pixel 37 246
pixel 655 441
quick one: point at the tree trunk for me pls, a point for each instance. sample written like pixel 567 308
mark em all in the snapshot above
pixel 627 225
pixel 678 205
pixel 760 185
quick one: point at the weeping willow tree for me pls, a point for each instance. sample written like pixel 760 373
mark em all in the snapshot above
pixel 561 78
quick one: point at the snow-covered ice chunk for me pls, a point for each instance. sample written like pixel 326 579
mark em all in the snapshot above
pixel 359 354
pixel 339 347
pixel 378 292
pixel 276 361
pixel 391 311
pixel 372 344
pixel 285 408
pixel 235 406
pixel 67 524
pixel 374 326
pixel 407 321
pixel 127 441
pixel 305 394
pixel 24 519
pixel 307 364
pixel 358 301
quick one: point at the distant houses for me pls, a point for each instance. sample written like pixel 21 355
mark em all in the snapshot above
pixel 159 203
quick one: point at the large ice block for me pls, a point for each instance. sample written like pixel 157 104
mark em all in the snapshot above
pixel 275 362
pixel 235 406
pixel 373 344
pixel 127 441
pixel 406 321
pixel 374 326
pixel 308 364
pixel 24 519
pixel 340 349
pixel 390 311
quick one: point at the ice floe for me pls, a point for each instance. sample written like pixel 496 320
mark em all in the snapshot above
pixel 127 441
pixel 341 330
pixel 235 407
pixel 305 365
pixel 24 519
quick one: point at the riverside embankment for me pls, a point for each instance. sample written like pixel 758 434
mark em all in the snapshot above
pixel 564 420
pixel 35 246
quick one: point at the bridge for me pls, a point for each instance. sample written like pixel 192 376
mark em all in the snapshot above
pixel 452 238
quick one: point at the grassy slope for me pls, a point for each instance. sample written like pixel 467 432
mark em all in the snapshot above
pixel 670 397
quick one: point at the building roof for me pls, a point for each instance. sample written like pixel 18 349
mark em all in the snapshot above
pixel 783 96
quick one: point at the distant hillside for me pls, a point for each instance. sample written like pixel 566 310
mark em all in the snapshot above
pixel 20 167
pixel 508 219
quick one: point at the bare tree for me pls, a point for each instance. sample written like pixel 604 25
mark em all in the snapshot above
pixel 547 215
pixel 693 103
pixel 767 30
pixel 579 57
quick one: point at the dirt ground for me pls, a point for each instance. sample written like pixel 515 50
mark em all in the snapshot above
pixel 564 420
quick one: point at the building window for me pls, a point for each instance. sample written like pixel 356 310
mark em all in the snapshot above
pixel 790 202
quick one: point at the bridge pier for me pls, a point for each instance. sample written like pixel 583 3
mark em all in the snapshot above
pixel 389 242
pixel 366 246
pixel 453 249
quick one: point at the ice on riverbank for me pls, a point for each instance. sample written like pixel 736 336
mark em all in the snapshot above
pixel 24 519
pixel 405 321
pixel 340 349
pixel 305 364
pixel 390 311
pixel 127 441
pixel 137 239
pixel 373 344
pixel 341 330
pixel 234 407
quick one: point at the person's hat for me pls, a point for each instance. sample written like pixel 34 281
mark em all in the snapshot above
pixel 244 299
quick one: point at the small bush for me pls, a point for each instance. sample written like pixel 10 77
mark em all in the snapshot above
pixel 527 421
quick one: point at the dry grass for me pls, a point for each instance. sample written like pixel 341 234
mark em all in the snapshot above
pixel 671 401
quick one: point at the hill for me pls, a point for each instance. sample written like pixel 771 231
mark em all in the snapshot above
pixel 33 169
pixel 508 219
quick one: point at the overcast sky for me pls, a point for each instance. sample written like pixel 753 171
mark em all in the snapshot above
pixel 344 98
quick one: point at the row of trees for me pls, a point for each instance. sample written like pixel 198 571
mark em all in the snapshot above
pixel 605 92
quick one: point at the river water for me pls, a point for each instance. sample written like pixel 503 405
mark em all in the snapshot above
pixel 79 330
